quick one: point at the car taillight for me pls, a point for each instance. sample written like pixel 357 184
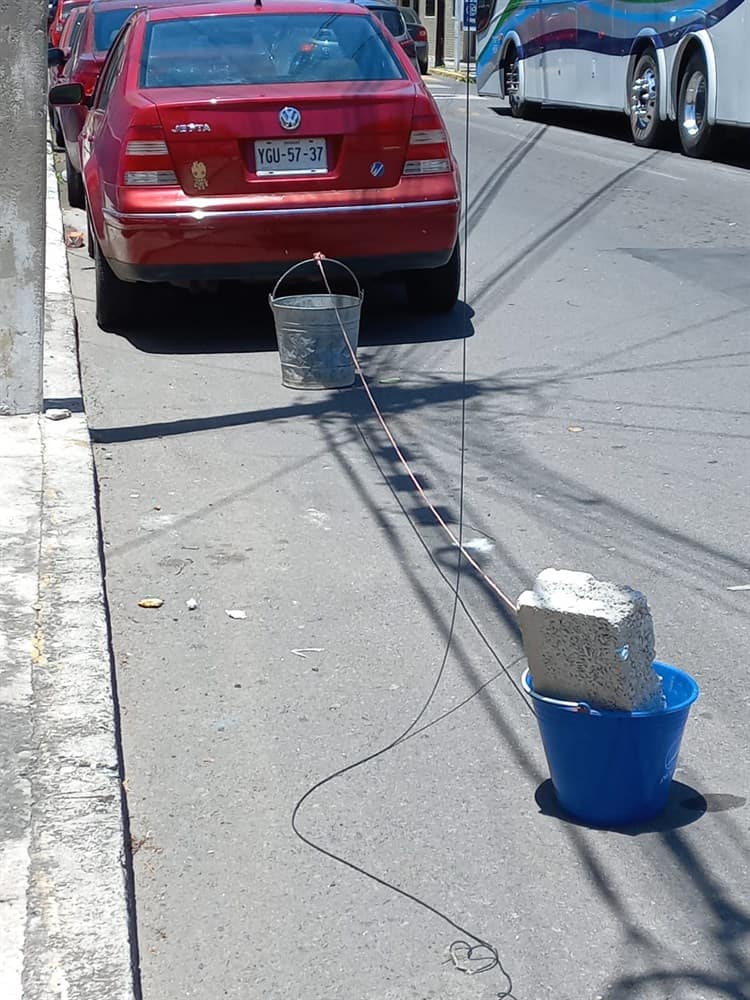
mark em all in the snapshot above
pixel 421 34
pixel 429 149
pixel 145 160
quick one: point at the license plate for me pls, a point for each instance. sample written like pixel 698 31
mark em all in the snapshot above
pixel 290 156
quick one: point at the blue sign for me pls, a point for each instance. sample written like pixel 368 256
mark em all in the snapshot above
pixel 470 15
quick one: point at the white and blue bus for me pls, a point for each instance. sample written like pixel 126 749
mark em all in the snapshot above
pixel 658 61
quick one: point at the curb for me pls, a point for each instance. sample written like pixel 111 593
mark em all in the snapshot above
pixel 79 941
pixel 452 74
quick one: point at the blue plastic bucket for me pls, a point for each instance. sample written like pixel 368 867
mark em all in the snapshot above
pixel 614 768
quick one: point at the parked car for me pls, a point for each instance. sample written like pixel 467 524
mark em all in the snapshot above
pixel 418 33
pixel 392 17
pixel 68 40
pixel 101 22
pixel 63 10
pixel 224 142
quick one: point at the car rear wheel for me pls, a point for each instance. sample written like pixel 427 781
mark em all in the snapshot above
pixel 435 289
pixel 76 194
pixel 423 67
pixel 116 300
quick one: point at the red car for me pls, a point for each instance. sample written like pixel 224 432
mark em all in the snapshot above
pixel 62 13
pixel 227 141
pixel 56 59
pixel 101 23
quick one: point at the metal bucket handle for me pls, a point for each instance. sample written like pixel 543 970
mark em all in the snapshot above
pixel 571 706
pixel 315 260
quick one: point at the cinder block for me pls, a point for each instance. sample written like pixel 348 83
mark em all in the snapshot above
pixel 589 640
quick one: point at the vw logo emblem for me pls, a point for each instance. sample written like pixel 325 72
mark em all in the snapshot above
pixel 377 169
pixel 290 118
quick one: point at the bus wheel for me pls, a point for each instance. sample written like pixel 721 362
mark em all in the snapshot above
pixel 645 124
pixel 519 108
pixel 695 130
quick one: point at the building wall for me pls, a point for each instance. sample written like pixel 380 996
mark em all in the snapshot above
pixel 433 14
pixel 23 111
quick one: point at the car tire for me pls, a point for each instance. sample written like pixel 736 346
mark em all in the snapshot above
pixel 76 193
pixel 696 134
pixel 423 67
pixel 646 127
pixel 89 236
pixel 56 130
pixel 435 289
pixel 115 300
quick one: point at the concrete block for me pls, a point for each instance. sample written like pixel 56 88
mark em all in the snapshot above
pixel 589 640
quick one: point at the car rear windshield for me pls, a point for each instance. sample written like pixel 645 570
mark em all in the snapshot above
pixel 409 16
pixel 391 19
pixel 106 25
pixel 224 50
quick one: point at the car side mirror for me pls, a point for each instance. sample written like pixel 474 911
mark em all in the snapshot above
pixel 66 94
pixel 55 57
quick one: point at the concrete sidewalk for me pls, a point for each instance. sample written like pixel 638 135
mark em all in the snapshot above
pixel 65 925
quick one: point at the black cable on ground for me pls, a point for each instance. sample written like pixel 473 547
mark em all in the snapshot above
pixel 475 955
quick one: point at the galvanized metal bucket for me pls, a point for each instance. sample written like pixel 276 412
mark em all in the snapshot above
pixel 312 349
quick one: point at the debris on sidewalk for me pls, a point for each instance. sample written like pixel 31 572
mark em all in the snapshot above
pixel 232 613
pixel 57 413
pixel 303 652
pixel 74 239
pixel 481 546
pixel 150 602
pixel 191 604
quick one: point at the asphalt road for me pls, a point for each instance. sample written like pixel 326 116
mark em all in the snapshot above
pixel 608 418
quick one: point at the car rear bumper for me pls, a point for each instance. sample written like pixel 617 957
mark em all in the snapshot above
pixel 270 271
pixel 247 244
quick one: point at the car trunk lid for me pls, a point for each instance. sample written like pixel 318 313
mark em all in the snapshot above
pixel 308 137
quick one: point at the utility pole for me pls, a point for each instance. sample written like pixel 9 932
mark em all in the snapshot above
pixel 23 118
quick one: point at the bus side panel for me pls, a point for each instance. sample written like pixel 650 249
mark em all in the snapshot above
pixel 533 51
pixel 731 45
pixel 510 17
pixel 559 57
pixel 597 54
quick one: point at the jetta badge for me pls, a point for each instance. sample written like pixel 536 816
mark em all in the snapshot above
pixel 189 127
pixel 290 118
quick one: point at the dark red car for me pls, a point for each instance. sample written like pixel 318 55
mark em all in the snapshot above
pixel 56 59
pixel 227 141
pixel 102 21
pixel 62 12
